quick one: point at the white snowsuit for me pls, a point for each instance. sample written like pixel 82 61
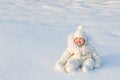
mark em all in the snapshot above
pixel 75 57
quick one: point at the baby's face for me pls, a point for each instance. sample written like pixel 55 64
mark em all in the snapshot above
pixel 79 41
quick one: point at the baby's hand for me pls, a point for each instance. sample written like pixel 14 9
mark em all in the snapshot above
pixel 98 63
pixel 59 66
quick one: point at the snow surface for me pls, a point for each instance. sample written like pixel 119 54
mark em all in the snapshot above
pixel 33 36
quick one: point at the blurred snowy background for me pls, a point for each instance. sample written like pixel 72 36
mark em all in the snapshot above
pixel 33 35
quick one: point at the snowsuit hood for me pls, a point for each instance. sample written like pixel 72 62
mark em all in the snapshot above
pixel 79 33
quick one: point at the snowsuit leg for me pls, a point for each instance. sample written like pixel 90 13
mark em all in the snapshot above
pixel 88 64
pixel 72 64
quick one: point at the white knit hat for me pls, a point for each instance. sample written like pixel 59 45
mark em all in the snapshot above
pixel 79 32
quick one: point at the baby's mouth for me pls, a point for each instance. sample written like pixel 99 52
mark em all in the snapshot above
pixel 78 42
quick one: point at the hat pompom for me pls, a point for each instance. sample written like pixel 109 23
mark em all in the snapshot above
pixel 80 28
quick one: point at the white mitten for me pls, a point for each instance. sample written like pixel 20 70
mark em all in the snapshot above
pixel 60 66
pixel 98 63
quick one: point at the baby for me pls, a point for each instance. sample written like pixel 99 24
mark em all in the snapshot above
pixel 80 54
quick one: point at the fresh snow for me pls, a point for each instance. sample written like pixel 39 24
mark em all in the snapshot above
pixel 33 36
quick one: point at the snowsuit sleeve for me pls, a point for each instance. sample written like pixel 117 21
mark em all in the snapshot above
pixel 96 57
pixel 63 59
pixel 66 55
